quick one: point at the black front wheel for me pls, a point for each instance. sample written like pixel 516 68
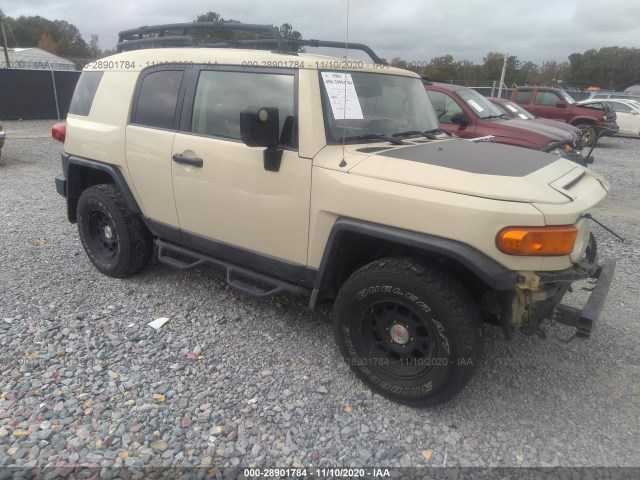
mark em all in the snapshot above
pixel 412 333
pixel 589 134
pixel 115 239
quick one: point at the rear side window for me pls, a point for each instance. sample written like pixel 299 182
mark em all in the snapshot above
pixel 85 91
pixel 157 99
pixel 523 97
pixel 221 96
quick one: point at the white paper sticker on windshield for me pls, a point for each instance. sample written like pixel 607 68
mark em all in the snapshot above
pixel 523 116
pixel 475 105
pixel 512 108
pixel 337 85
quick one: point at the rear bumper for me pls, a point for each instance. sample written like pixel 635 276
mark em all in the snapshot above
pixel 585 319
pixel 61 185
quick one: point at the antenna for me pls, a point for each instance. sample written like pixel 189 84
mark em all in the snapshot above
pixel 344 108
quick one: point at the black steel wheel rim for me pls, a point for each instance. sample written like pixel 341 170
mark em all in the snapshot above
pixel 103 239
pixel 398 340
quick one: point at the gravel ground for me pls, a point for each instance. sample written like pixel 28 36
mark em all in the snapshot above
pixel 232 381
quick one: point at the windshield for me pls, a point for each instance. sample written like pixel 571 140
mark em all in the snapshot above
pixel 375 104
pixel 567 98
pixel 516 111
pixel 482 107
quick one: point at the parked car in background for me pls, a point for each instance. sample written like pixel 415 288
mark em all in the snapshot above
pixel 556 104
pixel 467 114
pixel 621 95
pixel 516 111
pixel 627 113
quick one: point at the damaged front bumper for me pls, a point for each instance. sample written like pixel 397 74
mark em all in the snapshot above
pixel 584 320
pixel 538 296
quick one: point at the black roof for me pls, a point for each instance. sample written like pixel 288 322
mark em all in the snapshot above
pixel 264 36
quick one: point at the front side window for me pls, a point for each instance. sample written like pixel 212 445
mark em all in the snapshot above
pixel 221 96
pixel 445 106
pixel 546 98
pixel 157 99
pixel 620 107
pixel 357 105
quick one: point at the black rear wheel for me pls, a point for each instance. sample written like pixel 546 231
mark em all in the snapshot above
pixel 412 333
pixel 115 239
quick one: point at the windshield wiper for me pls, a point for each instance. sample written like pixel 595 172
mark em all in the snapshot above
pixel 502 115
pixel 430 134
pixel 373 136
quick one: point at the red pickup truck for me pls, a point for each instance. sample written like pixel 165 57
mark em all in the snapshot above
pixel 556 104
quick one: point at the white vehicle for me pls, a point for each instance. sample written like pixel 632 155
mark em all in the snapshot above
pixel 628 113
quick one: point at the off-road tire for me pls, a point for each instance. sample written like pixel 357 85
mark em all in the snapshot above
pixel 424 307
pixel 589 134
pixel 116 240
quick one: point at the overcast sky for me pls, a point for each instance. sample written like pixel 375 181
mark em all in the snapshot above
pixel 416 30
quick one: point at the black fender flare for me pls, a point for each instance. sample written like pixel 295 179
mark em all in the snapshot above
pixel 74 184
pixel 488 270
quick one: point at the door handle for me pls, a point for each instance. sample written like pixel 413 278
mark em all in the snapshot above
pixel 196 162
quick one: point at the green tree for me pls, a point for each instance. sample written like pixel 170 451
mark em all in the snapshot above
pixel 399 62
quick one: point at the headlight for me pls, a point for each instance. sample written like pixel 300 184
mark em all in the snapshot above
pixel 582 240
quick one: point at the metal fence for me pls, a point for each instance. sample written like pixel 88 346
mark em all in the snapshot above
pixel 36 94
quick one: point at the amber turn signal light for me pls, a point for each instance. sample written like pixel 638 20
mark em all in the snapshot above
pixel 539 241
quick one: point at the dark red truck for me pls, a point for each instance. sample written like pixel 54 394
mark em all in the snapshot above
pixel 556 104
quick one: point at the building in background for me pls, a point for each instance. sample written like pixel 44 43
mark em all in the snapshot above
pixel 36 59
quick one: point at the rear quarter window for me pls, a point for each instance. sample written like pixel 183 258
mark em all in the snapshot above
pixel 157 98
pixel 84 93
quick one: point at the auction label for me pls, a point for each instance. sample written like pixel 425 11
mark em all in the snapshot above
pixel 342 96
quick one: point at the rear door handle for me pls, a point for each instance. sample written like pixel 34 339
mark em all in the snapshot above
pixel 195 161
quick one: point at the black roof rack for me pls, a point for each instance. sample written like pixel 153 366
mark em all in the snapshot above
pixel 267 36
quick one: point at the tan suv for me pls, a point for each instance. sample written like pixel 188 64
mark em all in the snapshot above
pixel 330 178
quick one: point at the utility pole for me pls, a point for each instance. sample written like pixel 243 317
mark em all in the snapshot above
pixel 504 70
pixel 4 44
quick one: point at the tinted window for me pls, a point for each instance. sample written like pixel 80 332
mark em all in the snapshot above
pixel 157 99
pixel 546 98
pixel 85 91
pixel 220 96
pixel 523 97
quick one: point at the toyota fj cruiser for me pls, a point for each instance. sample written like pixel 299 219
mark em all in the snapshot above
pixel 330 178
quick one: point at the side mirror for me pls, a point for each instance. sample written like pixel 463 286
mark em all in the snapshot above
pixel 260 127
pixel 460 118
pixel 561 105
pixel 635 112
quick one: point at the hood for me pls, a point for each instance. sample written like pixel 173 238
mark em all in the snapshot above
pixel 482 169
pixel 516 126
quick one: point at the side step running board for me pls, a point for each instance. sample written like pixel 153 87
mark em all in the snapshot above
pixel 234 273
